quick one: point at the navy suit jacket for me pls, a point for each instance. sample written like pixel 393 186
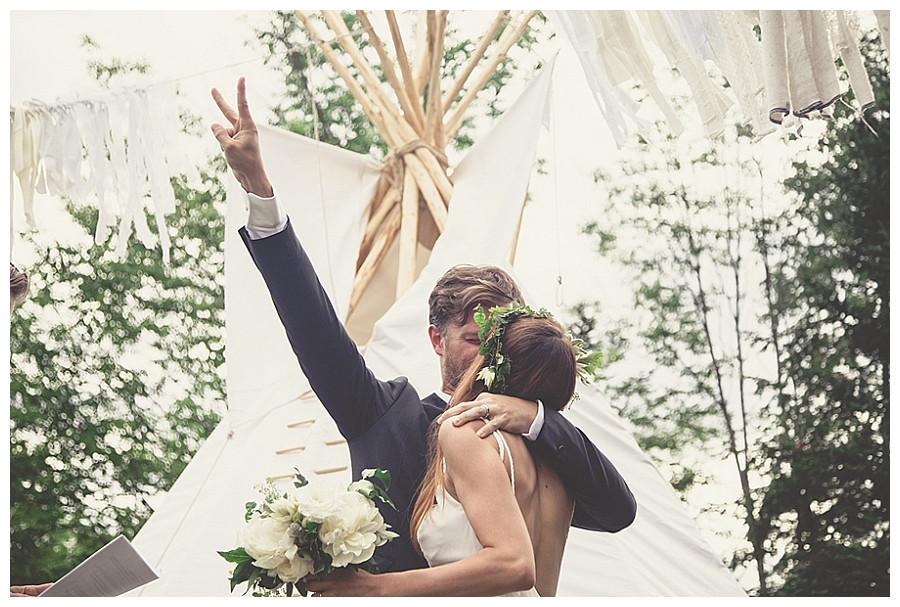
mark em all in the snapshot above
pixel 386 423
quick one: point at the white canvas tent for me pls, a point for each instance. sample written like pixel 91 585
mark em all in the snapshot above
pixel 275 423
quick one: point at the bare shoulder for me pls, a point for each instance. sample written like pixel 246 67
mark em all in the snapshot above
pixel 463 439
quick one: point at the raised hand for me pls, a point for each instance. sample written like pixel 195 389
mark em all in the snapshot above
pixel 501 412
pixel 240 143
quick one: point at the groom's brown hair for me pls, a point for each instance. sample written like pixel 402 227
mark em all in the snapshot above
pixel 463 287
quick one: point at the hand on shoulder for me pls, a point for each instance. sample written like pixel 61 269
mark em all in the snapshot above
pixel 502 412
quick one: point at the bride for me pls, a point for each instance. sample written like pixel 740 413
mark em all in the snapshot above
pixel 490 519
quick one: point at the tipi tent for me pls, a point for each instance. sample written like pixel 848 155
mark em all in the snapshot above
pixel 275 423
pixel 406 226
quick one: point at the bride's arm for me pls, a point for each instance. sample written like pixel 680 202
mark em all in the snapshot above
pixel 482 486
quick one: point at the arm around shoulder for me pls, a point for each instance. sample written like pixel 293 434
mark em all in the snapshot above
pixel 603 501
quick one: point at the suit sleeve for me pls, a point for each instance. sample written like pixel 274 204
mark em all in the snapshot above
pixel 353 396
pixel 603 501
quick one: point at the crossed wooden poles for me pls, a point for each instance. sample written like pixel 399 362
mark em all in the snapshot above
pixel 417 120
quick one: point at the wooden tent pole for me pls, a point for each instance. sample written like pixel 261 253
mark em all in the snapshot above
pixel 430 39
pixel 515 241
pixel 434 122
pixel 409 233
pixel 401 131
pixel 406 102
pixel 430 178
pixel 473 60
pixel 405 70
pixel 373 260
pixel 436 203
pixel 389 203
pixel 355 89
pixel 416 135
pixel 377 202
pixel 370 79
pixel 509 38
pixel 423 59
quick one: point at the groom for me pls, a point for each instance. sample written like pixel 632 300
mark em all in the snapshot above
pixel 385 422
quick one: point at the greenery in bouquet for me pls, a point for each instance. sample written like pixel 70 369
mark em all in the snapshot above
pixel 310 532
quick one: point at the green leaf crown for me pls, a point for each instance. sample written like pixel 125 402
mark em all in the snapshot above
pixel 492 325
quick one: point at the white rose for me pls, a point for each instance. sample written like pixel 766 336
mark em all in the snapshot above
pixel 317 502
pixel 270 544
pixel 353 530
pixel 285 509
pixel 295 568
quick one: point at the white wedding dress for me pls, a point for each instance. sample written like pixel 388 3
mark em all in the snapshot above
pixel 446 536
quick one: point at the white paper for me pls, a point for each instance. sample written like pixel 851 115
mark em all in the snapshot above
pixel 113 570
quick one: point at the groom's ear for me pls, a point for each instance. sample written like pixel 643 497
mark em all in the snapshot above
pixel 437 340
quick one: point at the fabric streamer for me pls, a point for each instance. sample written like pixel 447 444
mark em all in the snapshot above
pixel 111 151
pixel 787 71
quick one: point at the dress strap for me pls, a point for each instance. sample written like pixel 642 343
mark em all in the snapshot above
pixel 504 449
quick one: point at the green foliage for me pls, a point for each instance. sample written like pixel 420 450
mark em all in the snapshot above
pixel 317 103
pixel 117 368
pixel 680 224
pixel 828 501
pixel 684 294
pixel 372 490
pixel 761 329
pixel 105 71
pixel 491 327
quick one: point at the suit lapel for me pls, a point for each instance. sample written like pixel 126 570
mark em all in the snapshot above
pixel 434 405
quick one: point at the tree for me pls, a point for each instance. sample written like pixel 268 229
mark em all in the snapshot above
pixel 828 501
pixel 760 330
pixel 116 374
pixel 690 350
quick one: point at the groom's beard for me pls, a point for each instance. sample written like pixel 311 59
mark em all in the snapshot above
pixel 452 372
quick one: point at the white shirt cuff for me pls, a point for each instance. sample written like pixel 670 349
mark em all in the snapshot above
pixel 537 425
pixel 265 216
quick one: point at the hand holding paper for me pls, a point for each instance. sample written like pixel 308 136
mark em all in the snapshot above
pixel 111 571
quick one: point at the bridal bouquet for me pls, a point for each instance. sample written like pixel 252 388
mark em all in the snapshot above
pixel 312 531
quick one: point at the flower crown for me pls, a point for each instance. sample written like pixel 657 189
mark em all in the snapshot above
pixel 492 325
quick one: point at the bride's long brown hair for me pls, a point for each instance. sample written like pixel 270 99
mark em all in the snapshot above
pixel 542 368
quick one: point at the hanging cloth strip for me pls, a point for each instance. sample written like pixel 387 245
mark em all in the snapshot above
pixel 133 217
pixel 624 58
pixel 94 119
pixel 790 71
pixel 616 107
pixel 884 28
pixel 24 154
pixel 711 100
pixel 800 72
pixel 740 59
pixel 111 149
pixel 846 39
